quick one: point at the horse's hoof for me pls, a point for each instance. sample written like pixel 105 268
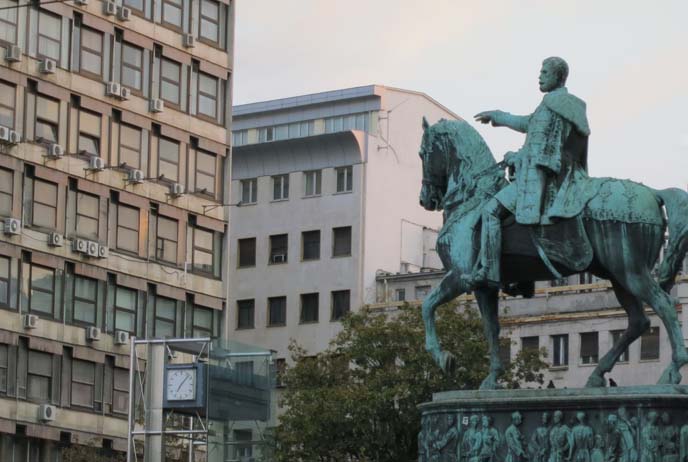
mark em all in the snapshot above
pixel 670 376
pixel 595 381
pixel 448 363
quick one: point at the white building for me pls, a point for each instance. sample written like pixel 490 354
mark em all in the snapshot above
pixel 326 192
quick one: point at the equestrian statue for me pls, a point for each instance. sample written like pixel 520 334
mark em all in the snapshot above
pixel 548 220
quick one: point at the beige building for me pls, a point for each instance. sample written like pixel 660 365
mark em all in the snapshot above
pixel 114 123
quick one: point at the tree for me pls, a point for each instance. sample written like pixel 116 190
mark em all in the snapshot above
pixel 357 401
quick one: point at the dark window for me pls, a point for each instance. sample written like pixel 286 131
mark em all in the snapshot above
pixel 47 119
pixel 165 317
pixel 206 245
pixel 7 103
pixel 170 81
pixel 311 245
pixel 247 252
pixel 206 172
pixel 505 351
pixel 207 95
pixel 42 294
pixel 421 291
pixel 278 248
pixel 341 241
pixel 40 376
pixel 127 228
pixel 202 322
pixel 312 183
pixel 168 159
pixel 83 383
pixel 8 22
pixel 87 212
pixel 245 314
pixel 345 179
pixel 280 187
pixel 616 336
pixel 4 366
pixel 125 309
pixel 649 344
pixel 4 281
pixel 91 52
pixel 166 240
pixel 560 346
pixel 249 191
pixel 309 308
pixel 209 26
pixel 130 146
pixel 172 12
pixel 49 35
pixel 277 311
pixel 341 303
pixel 280 370
pixel 132 66
pixel 243 449
pixel 530 343
pixel 89 132
pixel 44 204
pixel 400 295
pixel 120 396
pixel 6 192
pixel 589 351
pixel 85 300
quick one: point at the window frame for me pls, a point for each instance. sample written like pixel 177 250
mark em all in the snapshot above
pixel 317 183
pixel 126 66
pixel 302 312
pixel 594 359
pixel 213 175
pixel 76 299
pixel 282 308
pixel 176 179
pixel 41 119
pixel 123 146
pixel 4 367
pixel 625 356
pixel 216 97
pixel 6 282
pixel 48 376
pixel 178 83
pixel 157 317
pixel 334 242
pixel 133 311
pixel 92 51
pixel 120 225
pixel 560 350
pixel 273 249
pixel 207 331
pixel 119 391
pixel 644 345
pixel 168 24
pixel 252 311
pixel 252 189
pixel 280 183
pixel 240 253
pixel 73 380
pixel 5 23
pixel 334 318
pixel 40 56
pixel 201 17
pixel 6 194
pixel 11 89
pixel 303 245
pixel 77 214
pixel 348 181
pixel 91 136
pixel 35 201
pixel 213 272
pixel 158 239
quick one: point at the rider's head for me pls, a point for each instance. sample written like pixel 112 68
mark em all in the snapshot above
pixel 553 74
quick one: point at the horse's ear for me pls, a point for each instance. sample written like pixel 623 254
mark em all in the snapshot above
pixel 426 125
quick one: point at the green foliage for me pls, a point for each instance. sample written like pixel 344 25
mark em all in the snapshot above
pixel 357 401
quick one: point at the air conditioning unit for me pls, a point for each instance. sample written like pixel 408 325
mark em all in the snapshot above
pixel 92 249
pixel 102 251
pixel 176 190
pixel 125 93
pixel 47 66
pixel 113 89
pixel 135 176
pixel 15 137
pixel 279 258
pixel 12 226
pixel 121 337
pixel 13 54
pixel 8 136
pixel 110 8
pixel 96 164
pixel 157 105
pixel 80 245
pixel 188 40
pixel 123 13
pixel 92 334
pixel 55 240
pixel 46 412
pixel 30 321
pixel 55 151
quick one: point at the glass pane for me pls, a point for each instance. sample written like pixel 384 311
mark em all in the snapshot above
pixel 38 388
pixel 207 84
pixel 87 205
pixel 8 33
pixel 210 9
pixel 5 204
pixel 164 328
pixel 121 379
pixel 47 109
pixel 50 26
pixel 207 106
pixel 83 371
pixel 131 78
pixel 132 55
pixel 85 288
pixel 203 239
pixel 205 162
pixel 120 402
pixel 41 301
pixel 170 171
pixel 82 394
pixel 128 216
pixel 167 228
pixel 127 240
pixel 4 267
pixel 206 182
pixel 6 117
pixel 84 312
pixel 203 318
pixel 172 14
pixel 136 4
pixel 90 62
pixel 40 363
pixel 130 136
pixel 6 181
pixel 89 123
pixel 42 278
pixel 203 261
pixel 44 131
pixel 44 216
pixel 169 150
pixel 87 227
pixel 45 193
pixel 209 30
pixel 49 48
pixel 170 70
pixel 169 92
pixel 7 93
pixel 92 40
pixel 124 321
pixel 89 145
pixel 165 308
pixel 126 298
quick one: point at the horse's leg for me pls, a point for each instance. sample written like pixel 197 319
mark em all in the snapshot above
pixel 449 288
pixel 488 301
pixel 637 324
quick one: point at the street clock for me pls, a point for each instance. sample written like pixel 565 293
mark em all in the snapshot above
pixel 185 387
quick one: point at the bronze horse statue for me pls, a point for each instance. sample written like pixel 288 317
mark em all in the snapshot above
pixel 623 225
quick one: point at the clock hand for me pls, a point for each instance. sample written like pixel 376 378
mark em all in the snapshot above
pixel 182 383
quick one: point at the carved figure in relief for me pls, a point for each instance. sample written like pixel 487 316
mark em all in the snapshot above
pixel 581 440
pixel 514 440
pixel 650 439
pixel 559 439
pixel 629 453
pixel 489 440
pixel 683 442
pixel 613 440
pixel 451 435
pixel 669 440
pixel 539 442
pixel 470 444
pixel 597 454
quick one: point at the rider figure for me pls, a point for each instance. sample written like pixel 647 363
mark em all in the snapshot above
pixel 550 167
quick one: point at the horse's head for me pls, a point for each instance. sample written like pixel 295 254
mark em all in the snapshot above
pixel 433 155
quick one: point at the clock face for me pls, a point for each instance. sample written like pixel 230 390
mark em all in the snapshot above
pixel 181 384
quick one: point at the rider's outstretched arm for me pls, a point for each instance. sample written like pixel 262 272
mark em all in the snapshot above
pixel 514 122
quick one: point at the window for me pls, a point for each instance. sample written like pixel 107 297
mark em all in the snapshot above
pixel 505 351
pixel 243 449
pixel 39 377
pixel 281 132
pixel 127 228
pixel 345 179
pixel 125 309
pixel 589 351
pixel 8 21
pixel 170 78
pixel 85 300
pixel 91 52
pixel 130 146
pixel 649 344
pixel 249 191
pixel 4 281
pixel 311 245
pixel 202 322
pixel 165 317
pixel 209 26
pixel 280 187
pixel 4 366
pixel 207 95
pixel 616 336
pixel 6 192
pixel 87 211
pixel 166 240
pixel 42 294
pixel 245 314
pixel 341 241
pixel 239 137
pixel 530 343
pixel 421 292
pixel 309 308
pixel 312 183
pixel 47 119
pixel 347 122
pixel 280 370
pixel 340 303
pixel 120 395
pixel 265 134
pixel 83 383
pixel 278 248
pixel 247 252
pixel 300 129
pixel 136 5
pixel 277 311
pixel 560 347
pixel 400 295
pixel 206 171
pixel 206 245
pixel 7 103
pixel 168 159
pixel 89 133
pixel 132 66
pixel 172 12
pixel 44 204
pixel 49 36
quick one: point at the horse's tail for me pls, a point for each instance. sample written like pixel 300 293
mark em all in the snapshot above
pixel 676 203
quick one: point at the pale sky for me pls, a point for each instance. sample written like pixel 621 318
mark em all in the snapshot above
pixel 628 60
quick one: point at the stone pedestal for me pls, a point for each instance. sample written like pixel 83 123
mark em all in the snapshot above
pixel 624 424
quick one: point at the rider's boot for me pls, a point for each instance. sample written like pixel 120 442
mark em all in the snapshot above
pixel 487 275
